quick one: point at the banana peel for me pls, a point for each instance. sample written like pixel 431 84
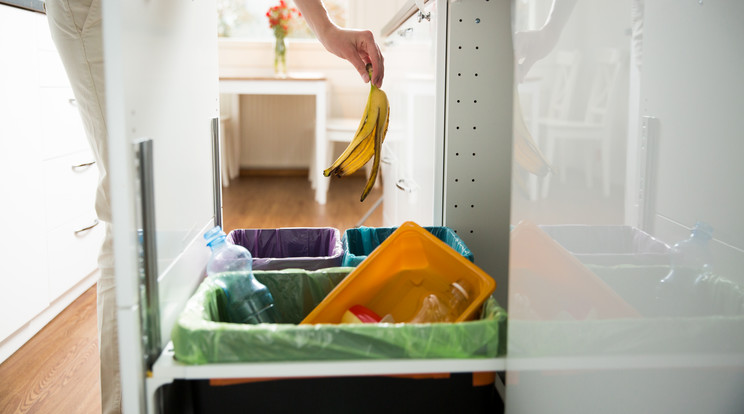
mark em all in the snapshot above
pixel 373 126
pixel 526 153
pixel 368 139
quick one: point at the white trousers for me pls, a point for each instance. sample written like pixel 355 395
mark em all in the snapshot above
pixel 76 30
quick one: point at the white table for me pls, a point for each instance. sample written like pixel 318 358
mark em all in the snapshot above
pixel 294 84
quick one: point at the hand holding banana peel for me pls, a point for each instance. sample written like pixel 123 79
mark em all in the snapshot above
pixel 367 140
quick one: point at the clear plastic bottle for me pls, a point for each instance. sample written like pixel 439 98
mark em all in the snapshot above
pixel 691 261
pixel 231 266
pixel 446 306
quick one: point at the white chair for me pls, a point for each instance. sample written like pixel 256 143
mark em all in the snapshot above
pixel 594 128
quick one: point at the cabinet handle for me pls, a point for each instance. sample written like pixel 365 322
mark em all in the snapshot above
pixel 72 102
pixel 405 32
pixel 402 184
pixel 422 15
pixel 82 167
pixel 84 229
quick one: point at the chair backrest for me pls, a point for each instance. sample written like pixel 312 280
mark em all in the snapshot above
pixel 564 84
pixel 603 86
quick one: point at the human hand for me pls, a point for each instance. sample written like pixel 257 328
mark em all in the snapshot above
pixel 359 48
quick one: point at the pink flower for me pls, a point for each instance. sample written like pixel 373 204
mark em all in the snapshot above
pixel 279 17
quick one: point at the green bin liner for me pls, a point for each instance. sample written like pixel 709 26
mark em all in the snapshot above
pixel 199 336
pixel 359 242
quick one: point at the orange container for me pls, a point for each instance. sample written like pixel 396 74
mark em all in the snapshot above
pixel 396 277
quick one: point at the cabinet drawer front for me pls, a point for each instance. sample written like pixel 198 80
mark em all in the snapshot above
pixel 61 127
pixel 73 252
pixel 70 183
pixel 51 71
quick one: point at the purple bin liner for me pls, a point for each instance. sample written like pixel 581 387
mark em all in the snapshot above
pixel 308 248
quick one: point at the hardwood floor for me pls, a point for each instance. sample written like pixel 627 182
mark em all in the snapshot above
pixel 271 202
pixel 57 370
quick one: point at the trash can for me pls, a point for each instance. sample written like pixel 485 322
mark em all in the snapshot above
pixel 200 336
pixel 409 266
pixel 308 248
pixel 358 243
pixel 609 245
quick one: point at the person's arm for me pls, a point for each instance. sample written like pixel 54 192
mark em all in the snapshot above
pixel 533 45
pixel 356 46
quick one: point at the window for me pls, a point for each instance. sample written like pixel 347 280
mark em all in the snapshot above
pixel 246 19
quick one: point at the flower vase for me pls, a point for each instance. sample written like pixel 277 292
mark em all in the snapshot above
pixel 280 57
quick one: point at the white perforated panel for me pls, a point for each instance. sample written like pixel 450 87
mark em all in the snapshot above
pixel 478 137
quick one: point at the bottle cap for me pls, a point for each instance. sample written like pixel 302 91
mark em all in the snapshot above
pixel 703 230
pixel 214 234
pixel 462 290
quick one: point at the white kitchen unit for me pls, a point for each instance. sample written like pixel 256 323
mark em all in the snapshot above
pixel 408 152
pixel 586 331
pixel 166 199
pixel 48 182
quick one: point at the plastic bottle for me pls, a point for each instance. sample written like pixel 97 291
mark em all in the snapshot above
pixel 691 261
pixel 231 266
pixel 446 306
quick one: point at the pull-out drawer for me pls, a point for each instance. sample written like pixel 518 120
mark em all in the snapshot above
pixel 73 252
pixel 70 183
pixel 61 127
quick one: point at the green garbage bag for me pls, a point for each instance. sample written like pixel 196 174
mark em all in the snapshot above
pixel 200 337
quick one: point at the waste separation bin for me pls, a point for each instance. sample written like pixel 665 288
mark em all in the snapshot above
pixel 401 275
pixel 609 245
pixel 200 336
pixel 308 248
pixel 359 242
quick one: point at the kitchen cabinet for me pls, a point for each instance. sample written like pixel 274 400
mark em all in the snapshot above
pixel 580 336
pixel 48 180
pixel 164 139
pixel 409 149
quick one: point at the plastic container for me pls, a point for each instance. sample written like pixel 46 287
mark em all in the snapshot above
pixel 446 306
pixel 547 282
pixel 691 262
pixel 230 266
pixel 359 242
pixel 609 245
pixel 202 334
pixel 226 257
pixel 399 274
pixel 291 247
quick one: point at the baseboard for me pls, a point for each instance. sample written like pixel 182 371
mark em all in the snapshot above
pixel 285 172
pixel 274 172
pixel 19 338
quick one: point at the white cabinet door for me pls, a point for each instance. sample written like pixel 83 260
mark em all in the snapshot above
pixel 23 280
pixel 162 87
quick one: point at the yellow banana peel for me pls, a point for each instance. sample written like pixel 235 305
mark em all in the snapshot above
pixel 368 139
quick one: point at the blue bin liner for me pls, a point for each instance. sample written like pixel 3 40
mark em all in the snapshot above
pixel 359 242
pixel 307 248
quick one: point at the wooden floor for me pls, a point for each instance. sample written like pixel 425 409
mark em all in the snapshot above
pixel 271 202
pixel 57 370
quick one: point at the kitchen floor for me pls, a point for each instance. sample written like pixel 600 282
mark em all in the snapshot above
pixel 57 370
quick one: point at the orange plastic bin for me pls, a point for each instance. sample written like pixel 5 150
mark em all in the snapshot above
pixel 396 277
